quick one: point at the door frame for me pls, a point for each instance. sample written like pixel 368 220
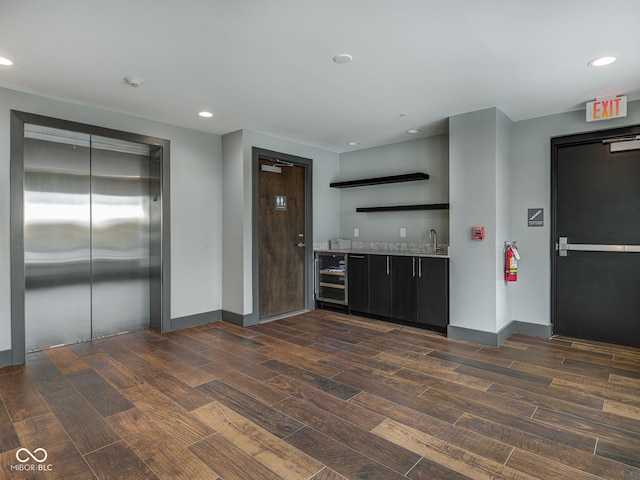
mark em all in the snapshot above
pixel 158 146
pixel 556 143
pixel 257 154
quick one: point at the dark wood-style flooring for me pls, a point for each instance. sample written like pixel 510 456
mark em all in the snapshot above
pixel 322 396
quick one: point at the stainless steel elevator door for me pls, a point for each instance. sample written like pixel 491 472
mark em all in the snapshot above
pixel 57 238
pixel 86 236
pixel 120 236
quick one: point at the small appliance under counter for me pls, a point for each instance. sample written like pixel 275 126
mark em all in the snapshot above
pixel 331 279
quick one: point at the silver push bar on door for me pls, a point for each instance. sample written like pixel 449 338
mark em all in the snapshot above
pixel 563 246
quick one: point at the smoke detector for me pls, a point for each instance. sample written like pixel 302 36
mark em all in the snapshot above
pixel 134 81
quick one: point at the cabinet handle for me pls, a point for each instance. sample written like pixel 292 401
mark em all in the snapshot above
pixel 420 268
pixel 388 265
pixel 317 287
pixel 414 266
pixel 356 256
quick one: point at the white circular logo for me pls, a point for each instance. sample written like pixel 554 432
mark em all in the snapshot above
pixel 31 455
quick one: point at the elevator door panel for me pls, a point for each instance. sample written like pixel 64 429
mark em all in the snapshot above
pixel 87 236
pixel 120 238
pixel 57 239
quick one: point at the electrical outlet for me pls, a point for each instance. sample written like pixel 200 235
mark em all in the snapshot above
pixel 356 232
pixel 403 232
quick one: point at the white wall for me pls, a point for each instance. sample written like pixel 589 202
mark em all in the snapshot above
pixel 532 188
pixel 196 202
pixel 429 155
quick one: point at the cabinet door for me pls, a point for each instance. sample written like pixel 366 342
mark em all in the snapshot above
pixel 404 290
pixel 433 291
pixel 380 285
pixel 358 268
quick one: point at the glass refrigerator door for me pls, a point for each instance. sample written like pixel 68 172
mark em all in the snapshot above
pixel 331 278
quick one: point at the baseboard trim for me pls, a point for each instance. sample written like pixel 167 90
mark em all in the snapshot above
pixel 6 358
pixel 496 339
pixel 195 320
pixel 533 329
pixel 239 319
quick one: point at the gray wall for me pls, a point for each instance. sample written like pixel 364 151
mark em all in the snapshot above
pixel 474 192
pixel 429 155
pixel 504 194
pixel 203 189
pixel 211 177
pixel 237 202
pixel 233 225
pixel 531 298
pixel 196 202
pixel 499 169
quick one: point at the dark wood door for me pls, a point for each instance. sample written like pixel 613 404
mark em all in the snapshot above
pixel 358 268
pixel 597 211
pixel 404 288
pixel 433 291
pixel 281 227
pixel 380 285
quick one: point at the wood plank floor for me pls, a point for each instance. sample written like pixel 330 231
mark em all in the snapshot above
pixel 321 396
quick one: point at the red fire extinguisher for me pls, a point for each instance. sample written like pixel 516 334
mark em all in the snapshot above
pixel 511 258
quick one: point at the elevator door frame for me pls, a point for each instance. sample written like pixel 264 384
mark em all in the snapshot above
pixel 160 320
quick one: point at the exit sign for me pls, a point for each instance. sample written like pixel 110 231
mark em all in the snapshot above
pixel 607 108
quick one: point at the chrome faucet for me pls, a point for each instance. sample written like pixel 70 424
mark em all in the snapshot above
pixel 434 235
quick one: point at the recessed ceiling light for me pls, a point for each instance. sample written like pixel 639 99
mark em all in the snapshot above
pixel 412 131
pixel 5 61
pixel 206 114
pixel 601 61
pixel 343 58
pixel 353 144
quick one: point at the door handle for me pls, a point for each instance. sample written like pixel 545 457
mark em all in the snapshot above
pixel 563 246
pixel 300 245
pixel 316 288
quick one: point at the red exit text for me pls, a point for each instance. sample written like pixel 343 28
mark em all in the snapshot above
pixel 607 108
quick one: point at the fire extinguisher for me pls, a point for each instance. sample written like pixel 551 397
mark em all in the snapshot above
pixel 511 258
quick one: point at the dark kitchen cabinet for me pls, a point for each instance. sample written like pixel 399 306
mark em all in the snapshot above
pixel 358 266
pixel 433 291
pixel 380 285
pixel 404 289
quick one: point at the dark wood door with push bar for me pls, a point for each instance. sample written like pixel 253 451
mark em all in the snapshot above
pixel 281 225
pixel 596 234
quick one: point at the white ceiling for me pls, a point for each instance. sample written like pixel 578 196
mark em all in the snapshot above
pixel 266 65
